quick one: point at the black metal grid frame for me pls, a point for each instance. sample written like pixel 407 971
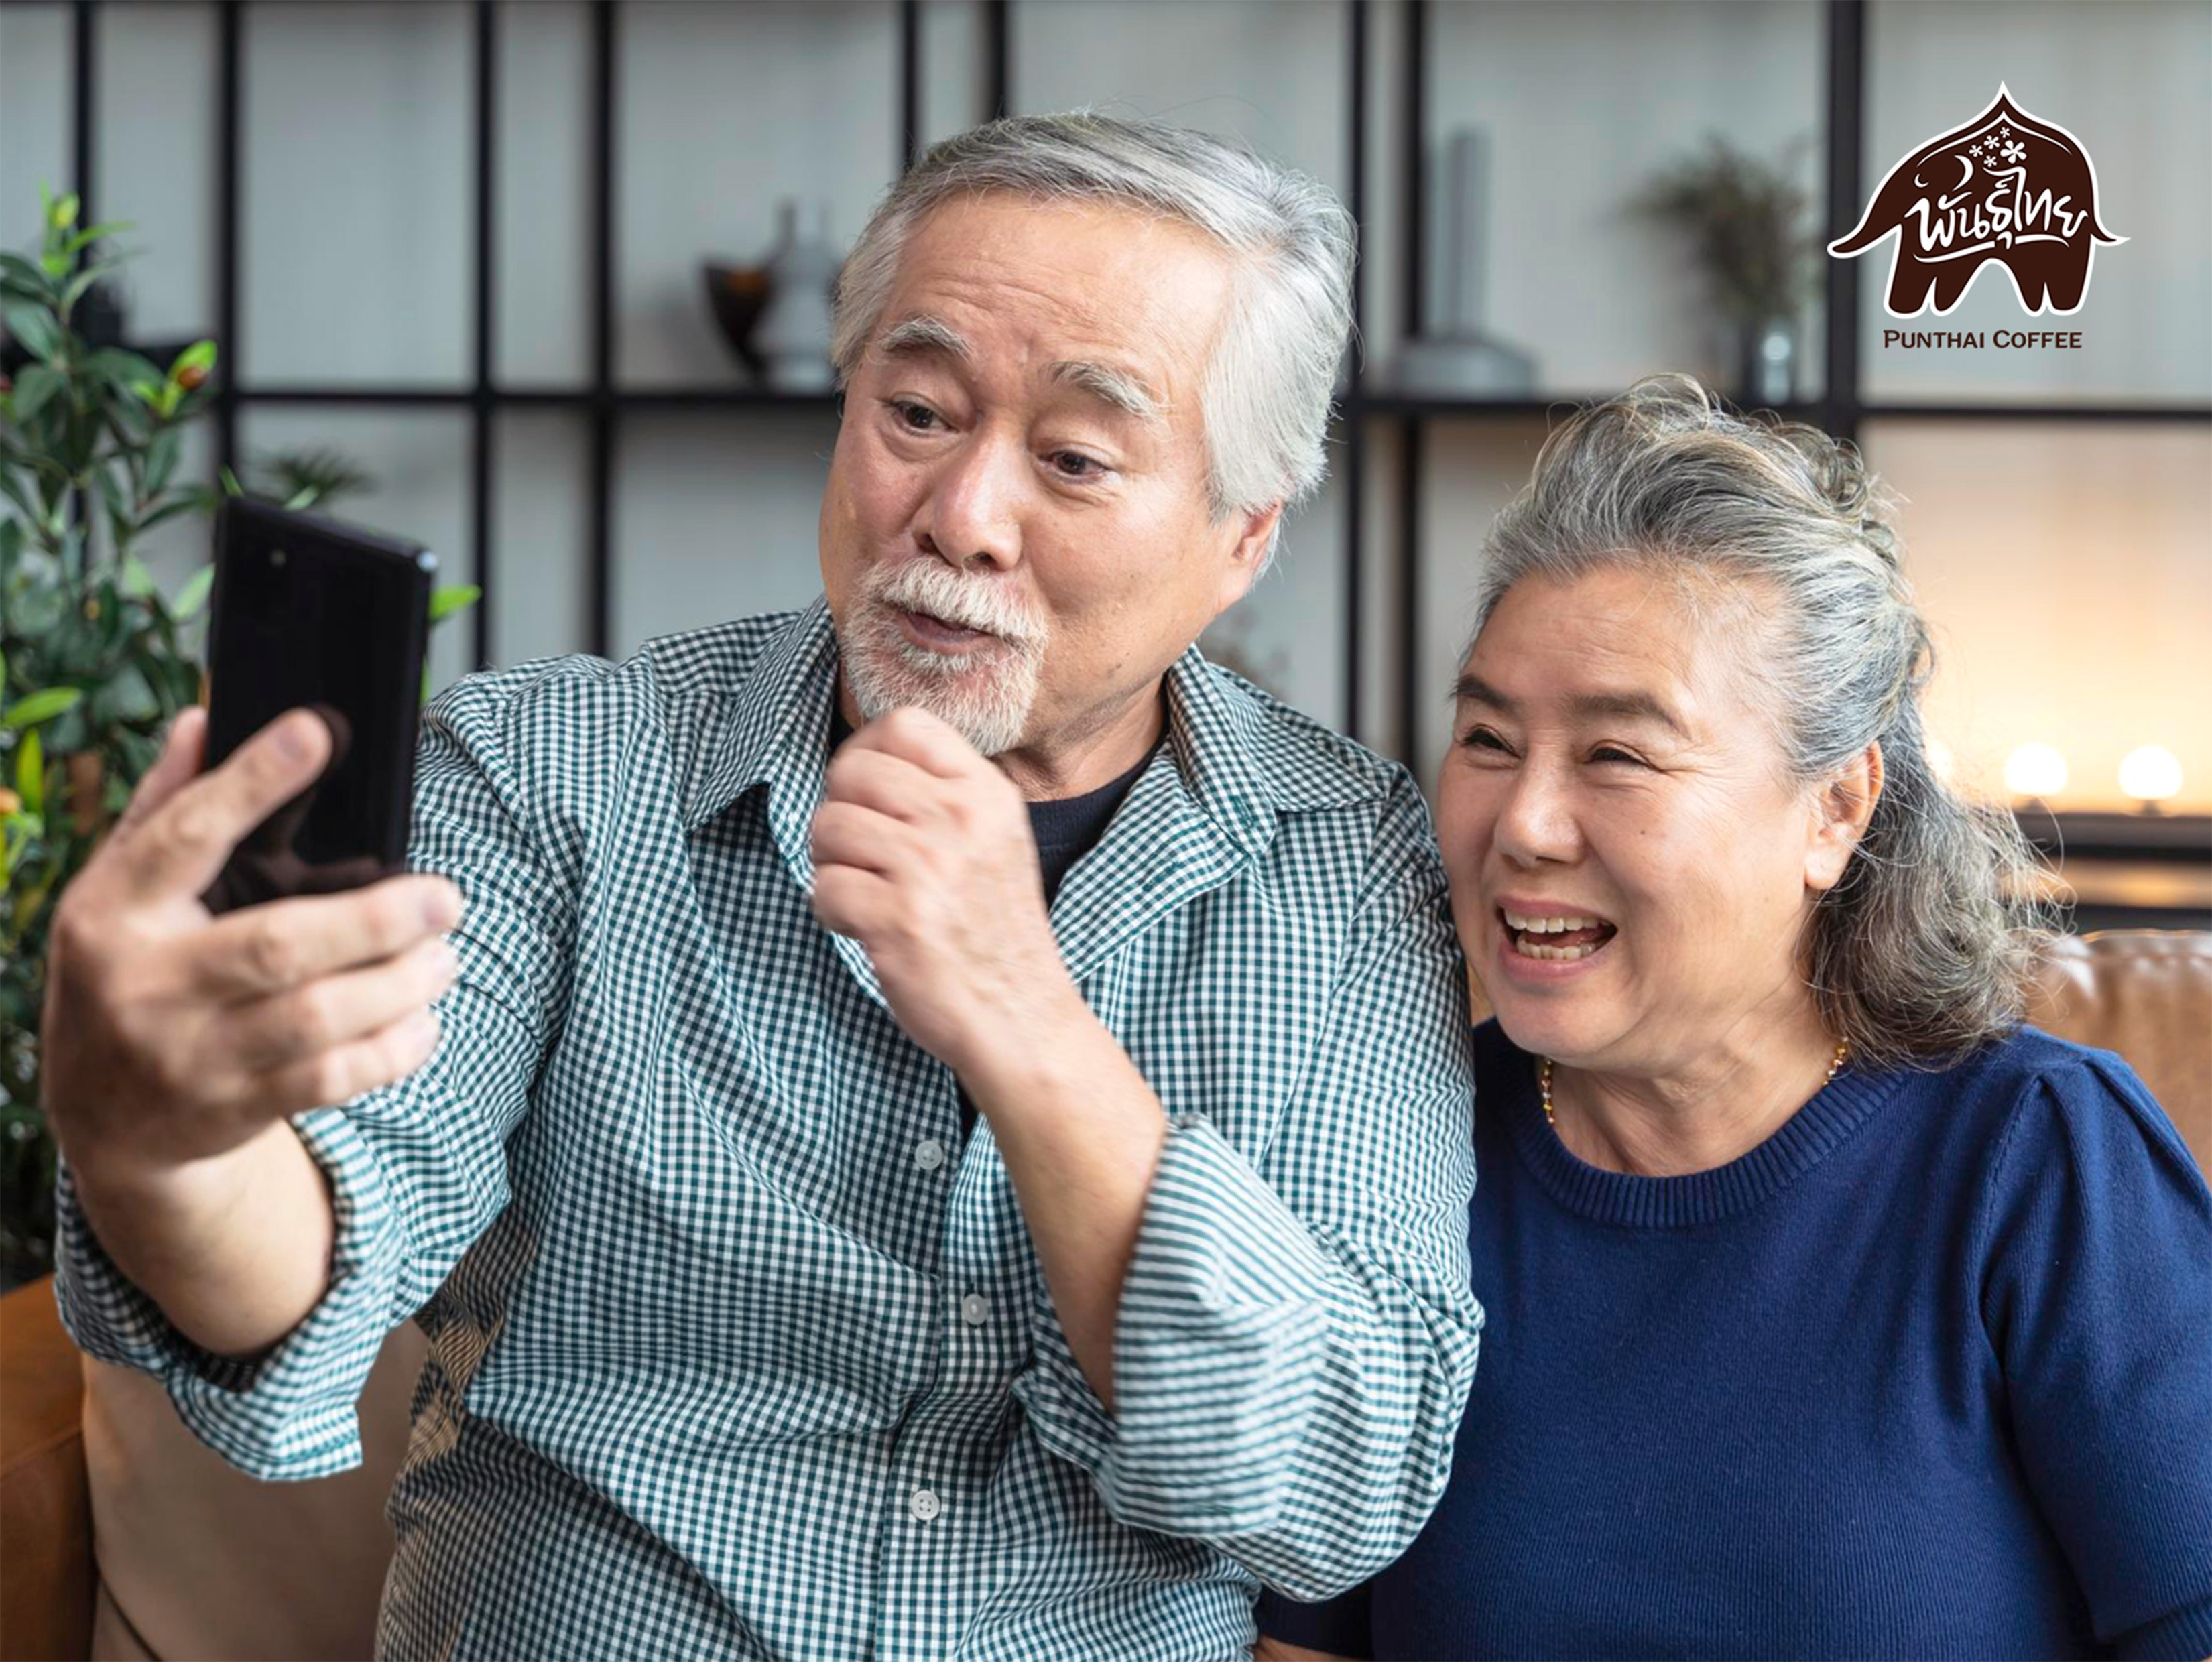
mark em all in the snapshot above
pixel 1840 408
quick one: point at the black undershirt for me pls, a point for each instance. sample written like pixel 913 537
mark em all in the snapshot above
pixel 1066 829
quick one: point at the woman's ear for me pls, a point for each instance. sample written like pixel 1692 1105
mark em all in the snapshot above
pixel 1842 812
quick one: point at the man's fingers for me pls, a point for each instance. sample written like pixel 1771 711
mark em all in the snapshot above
pixel 846 833
pixel 335 1010
pixel 183 843
pixel 929 741
pixel 272 948
pixel 884 781
pixel 851 901
pixel 339 1075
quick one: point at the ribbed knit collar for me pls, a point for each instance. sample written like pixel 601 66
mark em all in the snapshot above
pixel 1835 1114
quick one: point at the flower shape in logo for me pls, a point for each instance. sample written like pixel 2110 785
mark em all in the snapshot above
pixel 2015 151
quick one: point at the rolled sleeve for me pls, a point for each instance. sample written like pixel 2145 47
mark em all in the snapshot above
pixel 416 1168
pixel 289 1414
pixel 1296 1335
pixel 1219 1346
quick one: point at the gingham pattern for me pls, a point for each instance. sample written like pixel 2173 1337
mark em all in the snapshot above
pixel 695 1287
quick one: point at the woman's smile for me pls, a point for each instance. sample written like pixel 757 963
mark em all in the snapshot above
pixel 1543 942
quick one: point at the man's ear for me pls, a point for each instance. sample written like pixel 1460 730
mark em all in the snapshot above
pixel 1842 812
pixel 1254 531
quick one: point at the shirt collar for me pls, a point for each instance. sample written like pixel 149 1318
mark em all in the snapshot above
pixel 772 727
pixel 1236 769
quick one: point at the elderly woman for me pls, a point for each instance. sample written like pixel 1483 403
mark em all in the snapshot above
pixel 1832 1312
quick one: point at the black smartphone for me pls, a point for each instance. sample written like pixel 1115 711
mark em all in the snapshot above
pixel 309 610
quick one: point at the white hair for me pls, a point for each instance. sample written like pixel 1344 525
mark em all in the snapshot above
pixel 1266 396
pixel 1926 948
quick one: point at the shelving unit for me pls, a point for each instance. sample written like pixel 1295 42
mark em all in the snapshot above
pixel 1364 407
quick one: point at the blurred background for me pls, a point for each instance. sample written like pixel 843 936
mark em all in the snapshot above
pixel 492 266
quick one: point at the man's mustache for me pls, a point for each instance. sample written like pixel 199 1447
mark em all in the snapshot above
pixel 952 599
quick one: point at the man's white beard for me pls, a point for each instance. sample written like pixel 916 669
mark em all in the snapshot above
pixel 985 695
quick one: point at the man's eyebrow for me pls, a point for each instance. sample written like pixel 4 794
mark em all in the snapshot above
pixel 1628 706
pixel 1117 387
pixel 924 336
pixel 920 336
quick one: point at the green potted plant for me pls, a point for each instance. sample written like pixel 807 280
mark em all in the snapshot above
pixel 1746 223
pixel 94 659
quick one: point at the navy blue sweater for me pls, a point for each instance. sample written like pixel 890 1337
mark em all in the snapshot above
pixel 1929 1372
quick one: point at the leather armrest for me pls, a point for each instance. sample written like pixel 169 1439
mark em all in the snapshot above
pixel 47 1575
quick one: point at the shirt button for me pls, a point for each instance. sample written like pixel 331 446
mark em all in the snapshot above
pixel 929 1154
pixel 975 1309
pixel 924 1505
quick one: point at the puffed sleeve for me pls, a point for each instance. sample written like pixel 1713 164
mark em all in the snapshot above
pixel 2097 1295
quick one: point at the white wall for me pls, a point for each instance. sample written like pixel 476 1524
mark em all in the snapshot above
pixel 359 209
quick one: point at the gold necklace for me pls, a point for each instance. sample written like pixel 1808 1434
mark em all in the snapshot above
pixel 1544 1078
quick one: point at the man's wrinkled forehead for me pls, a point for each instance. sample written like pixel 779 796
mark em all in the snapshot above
pixel 922 336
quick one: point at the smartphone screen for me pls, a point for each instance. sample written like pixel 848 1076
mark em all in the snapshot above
pixel 309 611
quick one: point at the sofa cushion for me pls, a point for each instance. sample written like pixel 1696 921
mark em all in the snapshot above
pixel 203 1561
pixel 45 1511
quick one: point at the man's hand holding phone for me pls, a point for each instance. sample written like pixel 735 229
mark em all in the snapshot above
pixel 175 1042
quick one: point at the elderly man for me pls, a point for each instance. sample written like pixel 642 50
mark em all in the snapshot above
pixel 865 1199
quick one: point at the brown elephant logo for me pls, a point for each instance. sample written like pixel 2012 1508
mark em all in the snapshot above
pixel 2005 190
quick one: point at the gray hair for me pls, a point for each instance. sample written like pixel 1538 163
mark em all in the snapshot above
pixel 1265 399
pixel 1926 947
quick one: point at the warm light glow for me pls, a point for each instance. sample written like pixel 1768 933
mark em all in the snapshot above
pixel 2035 770
pixel 2150 774
pixel 1942 763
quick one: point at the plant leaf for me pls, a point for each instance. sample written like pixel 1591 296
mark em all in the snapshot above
pixel 93 233
pixel 84 280
pixel 137 581
pixel 200 354
pixel 42 706
pixel 31 773
pixel 127 697
pixel 113 492
pixel 122 368
pixel 13 488
pixel 230 484
pixel 170 510
pixel 161 459
pixel 14 269
pixel 35 388
pixel 35 327
pixel 444 602
pixel 190 598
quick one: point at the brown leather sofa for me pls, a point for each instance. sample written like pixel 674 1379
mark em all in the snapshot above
pixel 121 1537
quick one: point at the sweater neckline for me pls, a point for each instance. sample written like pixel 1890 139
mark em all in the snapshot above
pixel 1834 1114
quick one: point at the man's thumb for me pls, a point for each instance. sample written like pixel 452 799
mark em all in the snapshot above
pixel 182 747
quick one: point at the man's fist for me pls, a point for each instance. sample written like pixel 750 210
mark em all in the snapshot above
pixel 923 854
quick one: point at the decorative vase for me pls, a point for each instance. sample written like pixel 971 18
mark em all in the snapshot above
pixel 1457 358
pixel 736 295
pixel 792 336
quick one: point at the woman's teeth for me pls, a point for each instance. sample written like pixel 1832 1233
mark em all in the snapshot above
pixel 1528 950
pixel 1542 926
pixel 1580 936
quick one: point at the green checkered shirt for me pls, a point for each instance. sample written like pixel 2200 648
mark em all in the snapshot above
pixel 734 1350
